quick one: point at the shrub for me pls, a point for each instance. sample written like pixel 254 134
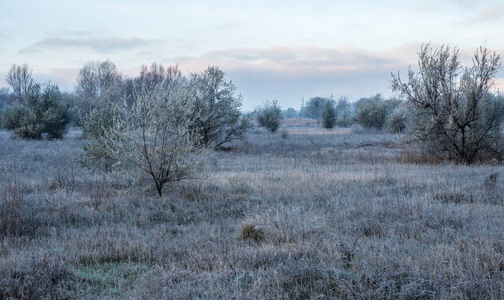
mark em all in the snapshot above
pixel 252 232
pixel 42 114
pixel 329 115
pixel 455 115
pixel 397 120
pixel 95 124
pixel 373 112
pixel 42 278
pixel 269 115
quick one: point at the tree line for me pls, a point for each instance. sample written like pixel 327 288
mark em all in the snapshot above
pixel 451 111
pixel 372 112
pixel 162 123
pixel 159 122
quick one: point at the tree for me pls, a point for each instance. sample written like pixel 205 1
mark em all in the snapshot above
pixel 290 113
pixel 169 78
pixel 373 112
pixel 99 89
pixel 344 112
pixel 98 84
pixel 269 115
pixel 4 97
pixel 455 115
pixel 154 136
pixel 217 117
pixel 95 124
pixel 21 81
pixel 329 115
pixel 315 107
pixel 42 113
pixel 397 120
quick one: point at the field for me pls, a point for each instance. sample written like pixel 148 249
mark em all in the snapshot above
pixel 304 213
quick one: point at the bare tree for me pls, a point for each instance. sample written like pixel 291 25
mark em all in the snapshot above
pixel 99 83
pixel 168 77
pixel 456 116
pixel 21 81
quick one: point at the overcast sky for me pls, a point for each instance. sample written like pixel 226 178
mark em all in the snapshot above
pixel 282 50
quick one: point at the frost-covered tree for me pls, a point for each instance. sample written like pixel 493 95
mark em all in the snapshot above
pixel 315 107
pixel 99 84
pixel 217 118
pixel 269 115
pixel 99 89
pixel 21 81
pixel 455 115
pixel 329 115
pixel 372 112
pixel 290 113
pixel 154 136
pixel 42 113
pixel 344 112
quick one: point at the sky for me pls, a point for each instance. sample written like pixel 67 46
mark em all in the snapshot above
pixel 271 50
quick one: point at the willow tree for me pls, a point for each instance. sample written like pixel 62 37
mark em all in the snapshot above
pixel 154 136
pixel 455 115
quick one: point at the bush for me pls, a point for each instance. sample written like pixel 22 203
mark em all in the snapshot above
pixel 373 112
pixel 154 137
pixel 329 115
pixel 95 124
pixel 46 277
pixel 269 115
pixel 397 120
pixel 454 113
pixel 43 114
pixel 344 113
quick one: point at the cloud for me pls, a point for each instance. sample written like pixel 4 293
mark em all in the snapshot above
pixel 64 77
pixel 491 13
pixel 487 15
pixel 96 44
pixel 436 5
pixel 293 61
pixel 290 73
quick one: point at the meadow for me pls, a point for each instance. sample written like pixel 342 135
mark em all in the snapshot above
pixel 304 213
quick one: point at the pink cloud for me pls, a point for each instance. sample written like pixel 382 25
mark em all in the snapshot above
pixel 292 62
pixel 491 13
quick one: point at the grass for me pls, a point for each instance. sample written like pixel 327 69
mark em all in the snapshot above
pixel 311 214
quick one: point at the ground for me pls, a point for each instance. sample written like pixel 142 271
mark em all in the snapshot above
pixel 305 213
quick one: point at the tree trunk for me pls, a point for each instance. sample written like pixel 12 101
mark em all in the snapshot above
pixel 159 187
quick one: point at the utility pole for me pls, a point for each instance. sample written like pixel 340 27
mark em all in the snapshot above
pixel 302 107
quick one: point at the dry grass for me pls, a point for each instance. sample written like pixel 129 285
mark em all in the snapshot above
pixel 314 215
